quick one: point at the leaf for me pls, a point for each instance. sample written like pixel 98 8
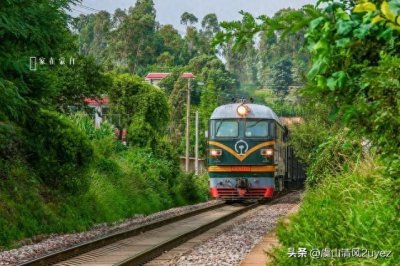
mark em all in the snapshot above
pixel 364 7
pixel 318 67
pixel 340 13
pixel 316 22
pixel 377 19
pixel 385 8
pixel 321 81
pixel 395 7
pixel 336 80
pixel 331 83
pixel 320 45
pixel 344 27
pixel 386 35
pixel 343 42
pixel 362 31
pixel 395 27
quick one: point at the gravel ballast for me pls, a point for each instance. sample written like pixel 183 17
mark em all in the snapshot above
pixel 53 243
pixel 230 246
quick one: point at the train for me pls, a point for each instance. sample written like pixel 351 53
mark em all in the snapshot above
pixel 248 153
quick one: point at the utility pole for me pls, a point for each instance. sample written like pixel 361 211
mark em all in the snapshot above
pixel 189 76
pixel 187 127
pixel 196 149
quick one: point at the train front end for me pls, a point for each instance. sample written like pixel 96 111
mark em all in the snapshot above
pixel 243 152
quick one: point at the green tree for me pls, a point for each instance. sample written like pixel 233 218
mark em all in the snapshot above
pixel 118 17
pixel 46 31
pixel 281 76
pixel 208 102
pixel 341 73
pixel 143 109
pixel 85 80
pixel 133 43
pixel 243 65
pixel 210 24
pixel 93 30
pixel 172 43
pixel 188 19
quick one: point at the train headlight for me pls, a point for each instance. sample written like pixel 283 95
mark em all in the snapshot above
pixel 269 152
pixel 215 152
pixel 242 110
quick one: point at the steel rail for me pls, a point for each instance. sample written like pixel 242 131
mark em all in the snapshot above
pixel 152 253
pixel 79 249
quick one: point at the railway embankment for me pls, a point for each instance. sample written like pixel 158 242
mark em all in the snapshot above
pixel 351 218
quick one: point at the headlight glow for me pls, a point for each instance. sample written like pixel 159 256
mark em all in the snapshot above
pixel 269 152
pixel 215 152
pixel 242 110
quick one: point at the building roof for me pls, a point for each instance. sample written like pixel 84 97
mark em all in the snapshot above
pixel 257 111
pixel 97 102
pixel 154 75
pixel 187 75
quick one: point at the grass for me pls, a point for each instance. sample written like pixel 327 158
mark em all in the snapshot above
pixel 121 185
pixel 358 209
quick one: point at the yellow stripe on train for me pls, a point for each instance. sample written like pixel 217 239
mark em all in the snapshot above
pixel 241 168
pixel 241 157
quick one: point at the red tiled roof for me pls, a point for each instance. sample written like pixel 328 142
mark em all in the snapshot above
pixel 157 75
pixel 96 102
pixel 187 75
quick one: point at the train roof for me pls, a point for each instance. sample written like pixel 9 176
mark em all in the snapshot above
pixel 257 111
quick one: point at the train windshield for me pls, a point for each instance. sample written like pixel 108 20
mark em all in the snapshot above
pixel 226 128
pixel 257 128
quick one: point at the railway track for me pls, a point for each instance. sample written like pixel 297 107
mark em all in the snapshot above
pixel 141 244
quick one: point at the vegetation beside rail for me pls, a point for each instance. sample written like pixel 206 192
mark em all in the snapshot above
pixel 349 139
pixel 116 183
pixel 57 172
pixel 60 174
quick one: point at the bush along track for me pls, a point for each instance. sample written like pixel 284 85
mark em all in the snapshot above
pixel 115 183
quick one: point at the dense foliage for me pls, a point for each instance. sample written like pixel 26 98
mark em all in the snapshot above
pixel 120 183
pixel 355 210
pixel 349 138
pixel 360 85
pixel 58 173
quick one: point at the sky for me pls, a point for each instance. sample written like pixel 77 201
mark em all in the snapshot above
pixel 169 11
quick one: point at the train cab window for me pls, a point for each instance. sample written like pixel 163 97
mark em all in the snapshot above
pixel 257 129
pixel 226 128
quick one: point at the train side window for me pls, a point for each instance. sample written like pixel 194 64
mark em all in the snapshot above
pixel 279 136
pixel 272 130
pixel 226 128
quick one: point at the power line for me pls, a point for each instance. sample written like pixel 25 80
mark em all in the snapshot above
pixel 80 11
pixel 88 8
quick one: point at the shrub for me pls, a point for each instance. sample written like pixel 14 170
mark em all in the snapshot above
pixel 324 146
pixel 11 138
pixel 86 124
pixel 338 153
pixel 102 138
pixel 192 188
pixel 60 151
pixel 358 209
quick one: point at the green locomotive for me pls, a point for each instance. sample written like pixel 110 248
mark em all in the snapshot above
pixel 248 156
